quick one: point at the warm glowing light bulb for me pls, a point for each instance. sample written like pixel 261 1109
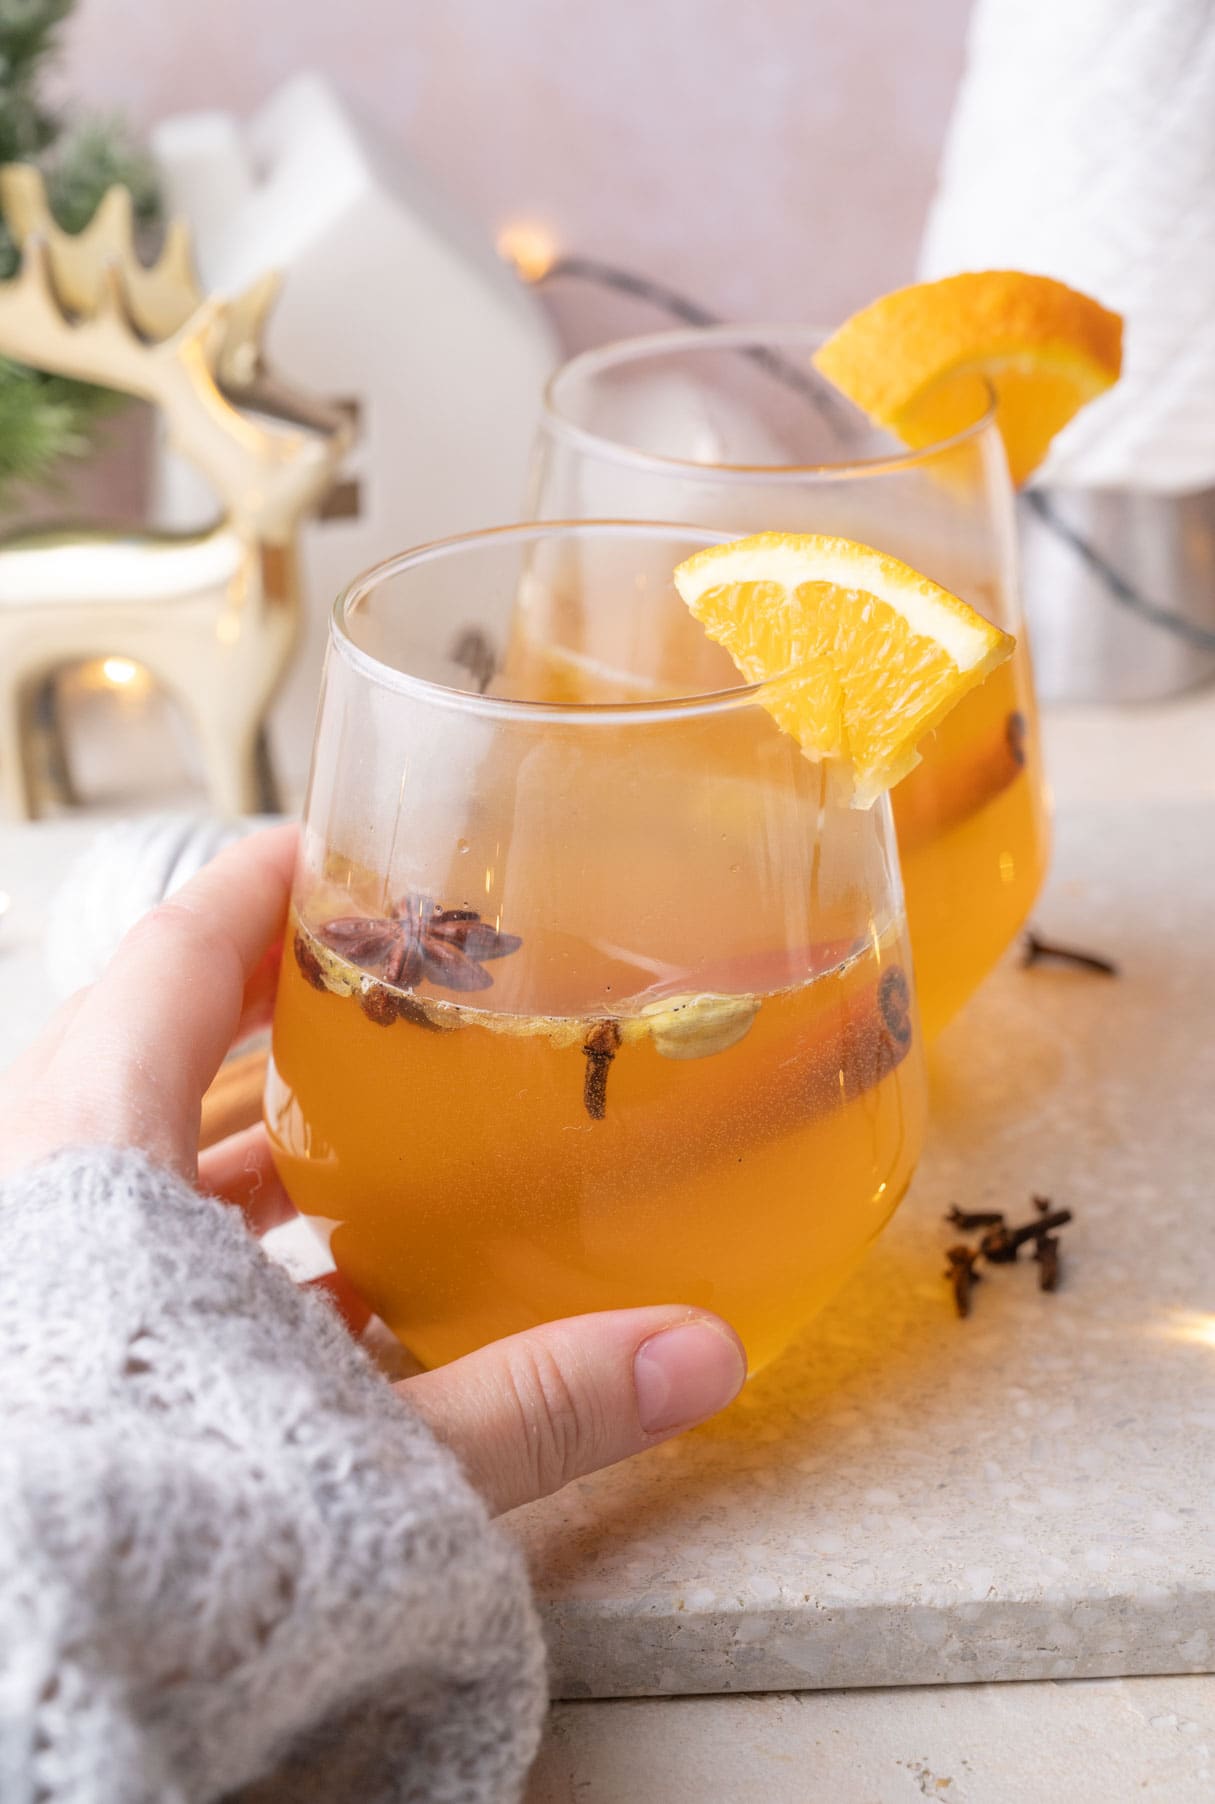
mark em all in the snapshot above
pixel 119 672
pixel 530 247
pixel 1191 1325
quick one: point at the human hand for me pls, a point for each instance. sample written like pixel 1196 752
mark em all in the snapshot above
pixel 126 1063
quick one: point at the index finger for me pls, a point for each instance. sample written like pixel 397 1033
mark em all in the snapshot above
pixel 171 997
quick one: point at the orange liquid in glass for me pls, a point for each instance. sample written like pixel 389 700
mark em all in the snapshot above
pixel 467 1188
pixel 974 839
pixel 973 818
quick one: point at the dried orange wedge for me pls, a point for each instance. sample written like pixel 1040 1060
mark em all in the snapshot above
pixel 917 361
pixel 863 656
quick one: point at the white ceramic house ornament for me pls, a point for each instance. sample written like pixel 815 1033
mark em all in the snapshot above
pixel 390 302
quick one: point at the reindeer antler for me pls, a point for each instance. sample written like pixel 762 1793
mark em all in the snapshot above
pixel 159 298
pixel 101 346
pixel 176 374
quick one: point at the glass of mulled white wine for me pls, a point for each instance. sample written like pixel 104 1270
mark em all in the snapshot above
pixel 591 1003
pixel 733 428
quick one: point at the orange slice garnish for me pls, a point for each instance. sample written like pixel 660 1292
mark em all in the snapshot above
pixel 860 655
pixel 919 361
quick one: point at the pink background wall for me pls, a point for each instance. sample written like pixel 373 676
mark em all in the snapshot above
pixel 770 157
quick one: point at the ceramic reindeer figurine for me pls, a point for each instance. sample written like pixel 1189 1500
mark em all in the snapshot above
pixel 212 614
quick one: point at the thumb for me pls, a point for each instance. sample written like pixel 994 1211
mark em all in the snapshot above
pixel 527 1414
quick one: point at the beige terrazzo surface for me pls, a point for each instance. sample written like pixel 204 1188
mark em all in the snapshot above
pixel 1093 1742
pixel 909 1499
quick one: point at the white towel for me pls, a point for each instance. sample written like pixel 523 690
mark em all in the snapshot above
pixel 1083 147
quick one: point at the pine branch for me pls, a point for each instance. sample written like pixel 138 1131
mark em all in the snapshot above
pixel 29 33
pixel 43 421
pixel 94 155
pixel 46 419
pixel 29 37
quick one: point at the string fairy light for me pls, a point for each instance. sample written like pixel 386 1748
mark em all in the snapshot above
pixel 530 246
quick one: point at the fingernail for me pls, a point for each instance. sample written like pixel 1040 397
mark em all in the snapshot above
pixel 686 1373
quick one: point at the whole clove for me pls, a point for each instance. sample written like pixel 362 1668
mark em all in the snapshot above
pixel 473 652
pixel 996 1245
pixel 599 1049
pixel 379 1004
pixel 969 1219
pixel 308 962
pixel 1036 950
pixel 962 1275
pixel 999 1245
pixel 1002 1244
pixel 1047 1254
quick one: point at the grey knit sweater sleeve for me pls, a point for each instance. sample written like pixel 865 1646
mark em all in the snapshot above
pixel 232 1561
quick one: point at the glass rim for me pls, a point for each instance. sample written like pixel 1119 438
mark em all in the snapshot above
pixel 404 682
pixel 637 349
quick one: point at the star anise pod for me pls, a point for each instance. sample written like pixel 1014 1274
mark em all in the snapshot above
pixel 448 946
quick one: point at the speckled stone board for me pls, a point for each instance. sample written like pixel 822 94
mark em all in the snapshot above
pixel 907 1498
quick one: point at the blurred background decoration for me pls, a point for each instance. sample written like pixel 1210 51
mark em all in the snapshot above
pixel 211 614
pixel 442 146
pixel 1082 146
pixel 44 417
pixel 391 301
pixel 634 165
pixel 774 160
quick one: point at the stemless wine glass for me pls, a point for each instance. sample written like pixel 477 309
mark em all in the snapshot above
pixel 581 1005
pixel 731 427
